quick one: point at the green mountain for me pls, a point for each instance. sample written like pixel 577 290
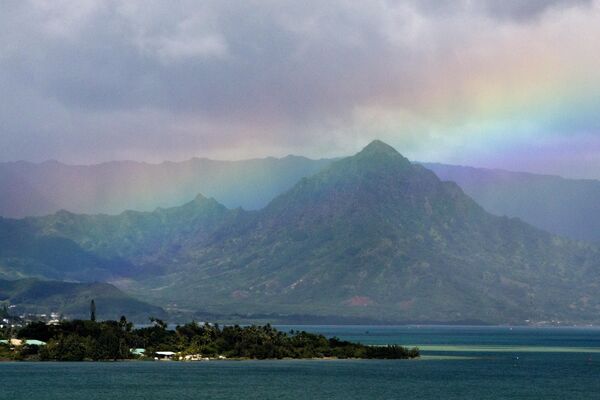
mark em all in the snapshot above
pixel 26 252
pixel 73 299
pixel 143 238
pixel 371 236
pixel 103 247
pixel 376 236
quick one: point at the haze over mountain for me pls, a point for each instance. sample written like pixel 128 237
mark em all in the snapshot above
pixel 40 189
pixel 371 235
pixel 566 207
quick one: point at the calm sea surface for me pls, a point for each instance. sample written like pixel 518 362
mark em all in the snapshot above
pixel 458 363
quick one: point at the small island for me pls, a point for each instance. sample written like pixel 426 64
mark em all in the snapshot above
pixel 80 340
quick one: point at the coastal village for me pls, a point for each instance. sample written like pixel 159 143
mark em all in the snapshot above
pixel 9 324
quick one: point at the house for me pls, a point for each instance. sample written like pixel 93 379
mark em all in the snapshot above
pixel 195 357
pixel 137 352
pixel 20 342
pixel 34 342
pixel 164 355
pixel 12 342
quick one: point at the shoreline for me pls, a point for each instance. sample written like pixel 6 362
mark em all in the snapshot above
pixel 212 360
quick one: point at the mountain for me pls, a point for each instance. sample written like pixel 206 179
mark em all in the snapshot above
pixel 102 247
pixel 370 236
pixel 374 235
pixel 26 252
pixel 73 299
pixel 567 207
pixel 31 189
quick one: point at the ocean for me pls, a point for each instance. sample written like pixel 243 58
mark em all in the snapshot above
pixel 457 363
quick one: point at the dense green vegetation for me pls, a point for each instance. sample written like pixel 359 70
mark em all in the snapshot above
pixel 99 247
pixel 78 340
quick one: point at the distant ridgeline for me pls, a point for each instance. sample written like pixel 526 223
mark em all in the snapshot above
pixel 42 189
pixel 368 236
pixel 568 207
pixel 115 340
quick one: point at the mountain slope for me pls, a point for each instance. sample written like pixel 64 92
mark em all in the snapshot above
pixel 25 252
pixel 567 207
pixel 374 235
pixel 73 299
pixel 371 235
pixel 100 247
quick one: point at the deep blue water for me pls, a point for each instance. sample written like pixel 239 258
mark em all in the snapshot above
pixel 514 373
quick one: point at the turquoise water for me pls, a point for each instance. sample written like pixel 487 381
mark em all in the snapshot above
pixel 477 363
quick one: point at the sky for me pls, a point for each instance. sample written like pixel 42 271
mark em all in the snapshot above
pixel 494 83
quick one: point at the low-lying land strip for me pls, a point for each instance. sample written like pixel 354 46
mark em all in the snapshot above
pixel 79 340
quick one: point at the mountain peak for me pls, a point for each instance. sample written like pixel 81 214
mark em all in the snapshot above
pixel 378 152
pixel 377 146
pixel 199 203
pixel 200 198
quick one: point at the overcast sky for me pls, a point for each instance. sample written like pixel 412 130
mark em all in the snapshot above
pixel 509 84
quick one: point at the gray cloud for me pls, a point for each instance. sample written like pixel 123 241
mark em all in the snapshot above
pixel 258 61
pixel 504 10
pixel 89 80
pixel 228 59
pixel 525 10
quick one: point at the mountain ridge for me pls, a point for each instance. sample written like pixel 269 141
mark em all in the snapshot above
pixel 568 207
pixel 322 210
pixel 369 235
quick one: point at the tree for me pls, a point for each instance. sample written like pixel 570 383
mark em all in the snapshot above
pixel 93 310
pixel 66 348
pixel 125 325
pixel 159 323
pixel 4 311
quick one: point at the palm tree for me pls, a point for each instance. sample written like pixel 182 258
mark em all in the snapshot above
pixel 93 311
